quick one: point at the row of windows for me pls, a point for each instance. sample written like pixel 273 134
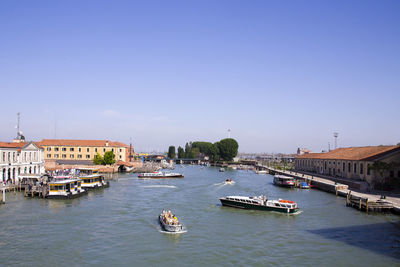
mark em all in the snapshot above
pixel 71 156
pixel 13 156
pixel 72 149
pixel 349 166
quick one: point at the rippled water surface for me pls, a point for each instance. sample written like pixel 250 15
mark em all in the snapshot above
pixel 118 226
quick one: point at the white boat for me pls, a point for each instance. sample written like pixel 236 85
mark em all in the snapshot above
pixel 91 178
pixel 282 180
pixel 260 203
pixel 169 222
pixel 65 188
pixel 221 169
pixel 160 175
pixel 229 181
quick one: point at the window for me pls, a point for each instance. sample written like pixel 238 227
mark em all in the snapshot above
pixel 87 149
pixel 112 149
pixel 64 149
pixel 56 156
pixel 49 149
pixel 71 149
pixel 355 168
pixel 88 156
pixel 79 149
pixel 120 150
pixel 104 150
pixel 325 164
pixel 79 156
pixel 95 150
pixel 49 155
pixel 120 157
pixel 56 149
pixel 71 156
pixel 344 167
pixel 64 156
pixel 361 168
pixel 349 167
pixel 368 170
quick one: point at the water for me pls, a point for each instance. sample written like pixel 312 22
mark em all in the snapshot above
pixel 118 226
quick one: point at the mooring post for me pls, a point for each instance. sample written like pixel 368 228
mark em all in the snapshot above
pixel 359 203
pixel 366 208
pixel 4 195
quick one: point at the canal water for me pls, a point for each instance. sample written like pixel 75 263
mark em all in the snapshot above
pixel 118 226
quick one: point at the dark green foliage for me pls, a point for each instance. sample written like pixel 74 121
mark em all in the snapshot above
pixel 181 153
pixel 109 158
pixel 171 152
pixel 228 148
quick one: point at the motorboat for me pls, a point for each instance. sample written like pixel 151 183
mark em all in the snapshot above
pixel 260 203
pixel 229 181
pixel 304 185
pixel 221 169
pixel 169 222
pixel 285 181
pixel 160 175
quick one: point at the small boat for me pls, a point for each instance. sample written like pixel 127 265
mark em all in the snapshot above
pixel 160 175
pixel 282 180
pixel 66 188
pixel 304 185
pixel 261 172
pixel 221 169
pixel 260 203
pixel 169 222
pixel 229 181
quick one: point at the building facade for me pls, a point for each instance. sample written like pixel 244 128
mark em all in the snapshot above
pixel 353 163
pixel 82 150
pixel 20 158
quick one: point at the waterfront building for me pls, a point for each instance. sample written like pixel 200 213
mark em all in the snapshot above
pixel 19 158
pixel 354 163
pixel 83 150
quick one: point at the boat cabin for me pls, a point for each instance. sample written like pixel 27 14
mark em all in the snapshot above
pixel 66 188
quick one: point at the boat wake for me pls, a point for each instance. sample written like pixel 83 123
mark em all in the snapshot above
pixel 296 213
pixel 158 186
pixel 224 183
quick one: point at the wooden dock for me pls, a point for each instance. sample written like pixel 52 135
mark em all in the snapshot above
pixel 361 201
pixel 367 204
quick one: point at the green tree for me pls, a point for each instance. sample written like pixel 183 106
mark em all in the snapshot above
pixel 98 159
pixel 109 158
pixel 228 148
pixel 188 149
pixel 181 152
pixel 214 152
pixel 171 152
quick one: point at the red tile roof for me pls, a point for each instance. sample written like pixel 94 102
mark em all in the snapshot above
pixel 352 153
pixel 12 145
pixel 69 142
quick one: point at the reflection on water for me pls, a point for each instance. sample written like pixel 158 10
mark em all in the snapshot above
pixel 118 226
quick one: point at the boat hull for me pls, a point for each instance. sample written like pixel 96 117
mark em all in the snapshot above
pixel 107 184
pixel 169 228
pixel 241 205
pixel 69 196
pixel 161 177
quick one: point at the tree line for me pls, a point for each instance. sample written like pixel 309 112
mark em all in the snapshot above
pixel 225 149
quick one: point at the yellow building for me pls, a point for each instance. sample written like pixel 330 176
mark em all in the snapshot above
pixel 85 150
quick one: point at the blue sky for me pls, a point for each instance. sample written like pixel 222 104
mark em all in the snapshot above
pixel 279 74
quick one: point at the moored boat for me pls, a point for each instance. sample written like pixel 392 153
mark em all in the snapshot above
pixel 285 181
pixel 67 188
pixel 91 179
pixel 160 175
pixel 304 185
pixel 260 203
pixel 169 222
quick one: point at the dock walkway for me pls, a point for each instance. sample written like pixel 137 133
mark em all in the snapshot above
pixel 360 200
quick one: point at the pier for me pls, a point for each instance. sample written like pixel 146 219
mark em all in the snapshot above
pixel 361 201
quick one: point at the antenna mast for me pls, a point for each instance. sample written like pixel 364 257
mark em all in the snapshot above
pixel 335 135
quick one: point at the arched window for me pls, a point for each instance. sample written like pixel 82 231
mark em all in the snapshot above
pixel 30 169
pixel 34 169
pixel 25 170
pixel 9 156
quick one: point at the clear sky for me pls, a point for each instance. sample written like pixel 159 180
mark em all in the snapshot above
pixel 279 74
